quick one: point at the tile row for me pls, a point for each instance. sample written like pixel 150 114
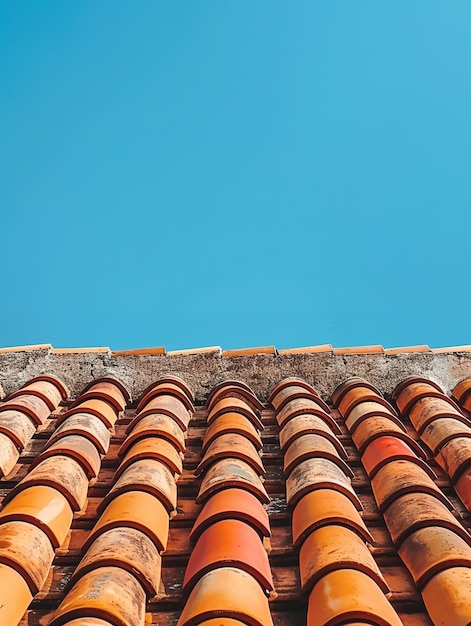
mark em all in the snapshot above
pixel 442 426
pixel 161 351
pixel 228 577
pixel 338 571
pixel 22 413
pixel 431 542
pixel 37 513
pixel 121 565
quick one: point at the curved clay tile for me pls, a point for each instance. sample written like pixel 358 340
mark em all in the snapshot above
pixel 171 381
pixel 128 549
pixel 76 447
pixel 48 391
pixel 291 382
pixel 44 507
pixel 410 380
pixel 231 473
pixel 106 392
pixel 386 449
pixel 152 448
pixel 447 597
pixel 134 509
pixel 366 411
pixel 61 473
pixel 463 488
pixel 331 548
pixel 167 405
pixel 9 454
pixel 313 446
pixel 318 474
pixel 431 550
pixel 305 406
pixel 107 385
pixel 229 543
pixel 413 511
pixel 32 406
pixel 226 592
pixel 303 425
pixel 375 427
pixel 351 383
pixel 427 410
pixel 231 446
pixel 154 425
pixel 15 595
pixel 18 426
pixel 26 548
pixel 109 593
pixel 87 426
pixel 236 389
pixel 326 507
pixel 54 381
pixel 417 391
pixel 232 503
pixel 98 407
pixel 400 477
pixel 147 475
pixel 455 457
pixel 359 395
pixel 165 388
pixel 442 430
pixel 462 390
pixel 234 405
pixel 346 596
pixel 231 423
pixel 291 392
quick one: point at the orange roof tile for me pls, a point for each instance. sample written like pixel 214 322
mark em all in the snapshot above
pixel 138 351
pixel 250 351
pixel 407 350
pixel 279 473
pixel 360 350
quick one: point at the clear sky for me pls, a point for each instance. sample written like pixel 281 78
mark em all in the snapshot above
pixel 235 172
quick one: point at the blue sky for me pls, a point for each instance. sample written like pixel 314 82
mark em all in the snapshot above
pixel 235 173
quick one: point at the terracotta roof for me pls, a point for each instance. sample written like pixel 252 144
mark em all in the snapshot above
pixel 257 487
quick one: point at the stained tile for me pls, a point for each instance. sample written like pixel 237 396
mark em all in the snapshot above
pixel 346 596
pixel 326 507
pixel 332 548
pixel 126 548
pixel 110 593
pixel 430 550
pixel 227 592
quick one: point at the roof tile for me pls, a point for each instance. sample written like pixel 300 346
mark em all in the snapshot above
pixel 102 530
pixel 359 350
pixel 42 346
pixel 250 351
pixel 139 352
pixel 307 350
pixel 103 349
pixel 407 350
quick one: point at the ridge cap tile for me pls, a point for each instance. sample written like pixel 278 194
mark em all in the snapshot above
pixel 28 348
pixel 103 349
pixel 203 350
pixel 139 351
pixel 307 349
pixel 373 349
pixel 250 351
pixel 407 349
